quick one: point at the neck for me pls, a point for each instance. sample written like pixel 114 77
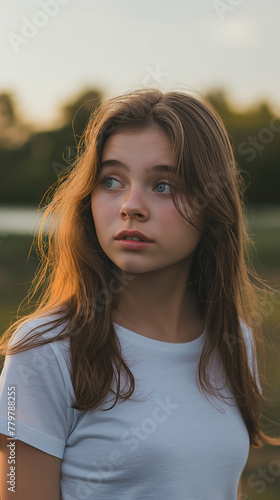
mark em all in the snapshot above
pixel 161 303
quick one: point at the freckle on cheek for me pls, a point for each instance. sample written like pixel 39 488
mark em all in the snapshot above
pixel 170 218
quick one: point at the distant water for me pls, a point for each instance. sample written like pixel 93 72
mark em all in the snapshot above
pixel 19 220
pixel 26 220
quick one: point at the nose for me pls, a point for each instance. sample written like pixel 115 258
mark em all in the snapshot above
pixel 133 204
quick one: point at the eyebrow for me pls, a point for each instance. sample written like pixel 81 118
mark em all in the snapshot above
pixel 120 164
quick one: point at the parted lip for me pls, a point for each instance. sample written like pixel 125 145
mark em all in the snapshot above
pixel 123 234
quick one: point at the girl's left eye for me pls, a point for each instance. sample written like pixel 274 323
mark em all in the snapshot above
pixel 105 179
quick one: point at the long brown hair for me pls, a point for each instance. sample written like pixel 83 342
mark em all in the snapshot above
pixel 76 275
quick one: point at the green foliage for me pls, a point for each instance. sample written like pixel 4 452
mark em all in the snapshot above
pixel 30 162
pixel 254 135
pixel 27 170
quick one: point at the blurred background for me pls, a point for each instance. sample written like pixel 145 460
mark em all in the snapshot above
pixel 60 58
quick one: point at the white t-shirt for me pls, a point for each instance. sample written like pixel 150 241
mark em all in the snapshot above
pixel 172 443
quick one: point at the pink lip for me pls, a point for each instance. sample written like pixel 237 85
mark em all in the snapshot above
pixel 134 245
pixel 125 233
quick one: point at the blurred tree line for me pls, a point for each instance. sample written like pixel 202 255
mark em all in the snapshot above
pixel 30 161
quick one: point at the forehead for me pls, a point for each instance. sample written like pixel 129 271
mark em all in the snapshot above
pixel 147 141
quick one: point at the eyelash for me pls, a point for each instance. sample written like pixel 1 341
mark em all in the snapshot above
pixel 109 177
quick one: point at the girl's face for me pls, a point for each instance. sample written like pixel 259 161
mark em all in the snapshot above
pixel 138 198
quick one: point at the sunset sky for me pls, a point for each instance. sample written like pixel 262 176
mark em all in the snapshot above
pixel 51 50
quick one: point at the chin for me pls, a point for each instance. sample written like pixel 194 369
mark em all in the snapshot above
pixel 131 269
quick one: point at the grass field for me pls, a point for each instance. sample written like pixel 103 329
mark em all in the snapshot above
pixel 261 477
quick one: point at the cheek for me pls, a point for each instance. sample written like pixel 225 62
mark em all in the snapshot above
pixel 166 214
pixel 100 210
pixel 177 226
pixel 171 218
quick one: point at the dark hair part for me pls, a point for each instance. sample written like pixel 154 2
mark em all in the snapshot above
pixel 75 272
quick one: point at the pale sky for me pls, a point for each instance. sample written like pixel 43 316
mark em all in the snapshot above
pixel 51 50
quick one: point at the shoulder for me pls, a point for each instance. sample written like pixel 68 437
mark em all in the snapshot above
pixel 34 346
pixel 35 365
pixel 43 326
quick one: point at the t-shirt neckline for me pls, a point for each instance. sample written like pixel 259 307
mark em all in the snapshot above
pixel 190 346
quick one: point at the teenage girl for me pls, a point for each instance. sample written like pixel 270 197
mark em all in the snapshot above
pixel 136 377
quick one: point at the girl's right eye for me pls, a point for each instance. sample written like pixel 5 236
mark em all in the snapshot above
pixel 107 178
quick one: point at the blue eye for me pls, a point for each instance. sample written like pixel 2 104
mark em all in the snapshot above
pixel 111 179
pixel 106 179
pixel 161 183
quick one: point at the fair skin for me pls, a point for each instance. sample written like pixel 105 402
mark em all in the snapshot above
pixel 157 300
pixel 157 291
pixel 37 474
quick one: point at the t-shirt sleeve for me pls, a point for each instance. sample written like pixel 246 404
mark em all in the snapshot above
pixel 42 404
pixel 251 352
